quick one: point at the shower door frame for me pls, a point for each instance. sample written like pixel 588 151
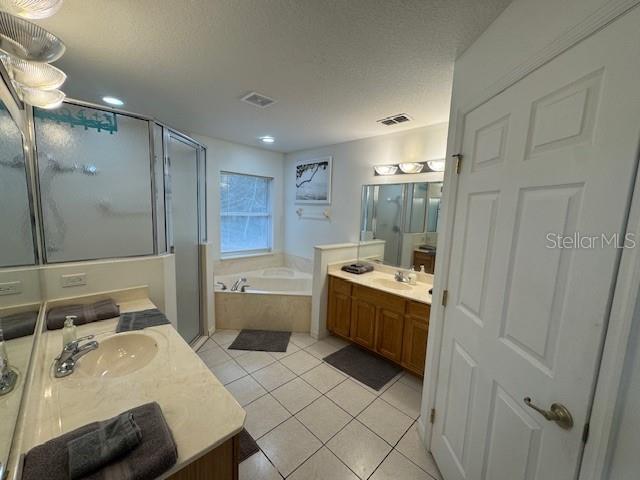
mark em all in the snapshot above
pixel 168 134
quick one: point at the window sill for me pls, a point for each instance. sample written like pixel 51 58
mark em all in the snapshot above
pixel 238 256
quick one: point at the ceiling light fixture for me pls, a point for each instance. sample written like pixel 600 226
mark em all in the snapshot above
pixel 413 167
pixel 37 9
pixel 267 139
pixel 116 102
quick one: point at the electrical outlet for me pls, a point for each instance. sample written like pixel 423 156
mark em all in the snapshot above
pixel 73 280
pixel 11 288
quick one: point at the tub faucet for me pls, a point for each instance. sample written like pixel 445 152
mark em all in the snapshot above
pixel 222 285
pixel 237 283
pixel 244 288
pixel 72 351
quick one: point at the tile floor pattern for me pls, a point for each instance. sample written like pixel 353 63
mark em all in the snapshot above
pixel 313 422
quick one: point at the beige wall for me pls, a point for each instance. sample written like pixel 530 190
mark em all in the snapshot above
pixel 353 167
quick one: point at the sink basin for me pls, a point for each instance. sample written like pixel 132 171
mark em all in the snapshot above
pixel 393 284
pixel 119 355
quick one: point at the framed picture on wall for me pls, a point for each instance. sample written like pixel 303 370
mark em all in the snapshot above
pixel 313 181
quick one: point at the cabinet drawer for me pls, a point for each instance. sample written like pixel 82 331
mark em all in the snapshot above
pixel 382 299
pixel 339 285
pixel 419 310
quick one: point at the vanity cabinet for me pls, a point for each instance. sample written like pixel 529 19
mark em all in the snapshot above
pixel 416 329
pixel 339 307
pixel 363 323
pixel 389 325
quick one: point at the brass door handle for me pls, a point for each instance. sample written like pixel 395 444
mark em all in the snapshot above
pixel 558 413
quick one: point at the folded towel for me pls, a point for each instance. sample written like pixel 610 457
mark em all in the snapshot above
pixel 155 455
pixel 18 325
pixel 358 268
pixel 86 313
pixel 142 319
pixel 111 440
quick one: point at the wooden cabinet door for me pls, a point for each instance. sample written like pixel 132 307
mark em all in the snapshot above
pixel 390 326
pixel 363 323
pixel 340 313
pixel 414 346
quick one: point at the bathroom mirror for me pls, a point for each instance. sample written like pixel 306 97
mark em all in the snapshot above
pixel 19 276
pixel 399 223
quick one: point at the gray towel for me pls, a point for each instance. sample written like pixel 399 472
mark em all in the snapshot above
pixel 155 455
pixel 111 440
pixel 18 325
pixel 86 313
pixel 142 319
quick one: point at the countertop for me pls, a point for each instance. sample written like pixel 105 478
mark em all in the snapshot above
pixel 201 413
pixel 418 292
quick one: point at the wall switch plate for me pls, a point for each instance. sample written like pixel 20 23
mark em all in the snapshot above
pixel 73 280
pixel 11 288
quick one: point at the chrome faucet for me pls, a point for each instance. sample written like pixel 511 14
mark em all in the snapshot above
pixel 237 283
pixel 72 351
pixel 401 276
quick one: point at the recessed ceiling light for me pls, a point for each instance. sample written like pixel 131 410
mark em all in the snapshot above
pixel 267 139
pixel 113 101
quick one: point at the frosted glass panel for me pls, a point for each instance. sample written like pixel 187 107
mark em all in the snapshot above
pixel 16 236
pixel 95 184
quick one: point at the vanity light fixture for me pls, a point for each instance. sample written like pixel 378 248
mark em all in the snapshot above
pixel 436 165
pixel 37 9
pixel 267 139
pixel 413 167
pixel 47 99
pixel 409 168
pixel 386 169
pixel 116 102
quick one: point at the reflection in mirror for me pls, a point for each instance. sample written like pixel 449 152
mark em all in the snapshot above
pixel 17 329
pixel 16 240
pixel 399 224
pixel 19 302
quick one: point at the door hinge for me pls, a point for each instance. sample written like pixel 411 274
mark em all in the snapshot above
pixel 432 416
pixel 585 433
pixel 445 297
pixel 458 157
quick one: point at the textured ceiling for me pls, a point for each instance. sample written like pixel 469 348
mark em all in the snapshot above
pixel 335 66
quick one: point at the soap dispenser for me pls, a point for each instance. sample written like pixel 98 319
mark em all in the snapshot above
pixel 8 375
pixel 69 333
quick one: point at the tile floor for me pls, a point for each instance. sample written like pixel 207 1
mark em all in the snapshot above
pixel 313 422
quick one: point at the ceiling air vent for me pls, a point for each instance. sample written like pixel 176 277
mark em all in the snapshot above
pixel 258 100
pixel 395 119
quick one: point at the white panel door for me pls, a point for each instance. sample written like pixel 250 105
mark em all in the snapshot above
pixel 554 154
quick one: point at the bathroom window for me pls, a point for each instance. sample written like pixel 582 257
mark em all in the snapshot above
pixel 245 214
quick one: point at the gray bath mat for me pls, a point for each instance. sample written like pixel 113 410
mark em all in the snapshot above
pixel 365 367
pixel 261 340
pixel 248 446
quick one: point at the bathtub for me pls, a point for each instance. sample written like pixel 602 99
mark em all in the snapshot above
pixel 276 298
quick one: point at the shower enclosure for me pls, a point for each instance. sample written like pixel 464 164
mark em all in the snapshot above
pixel 108 184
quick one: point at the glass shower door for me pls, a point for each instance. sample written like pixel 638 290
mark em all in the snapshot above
pixel 184 201
pixel 388 226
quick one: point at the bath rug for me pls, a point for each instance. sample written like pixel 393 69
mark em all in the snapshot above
pixel 248 446
pixel 261 340
pixel 367 368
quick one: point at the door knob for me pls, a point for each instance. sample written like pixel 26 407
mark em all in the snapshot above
pixel 557 413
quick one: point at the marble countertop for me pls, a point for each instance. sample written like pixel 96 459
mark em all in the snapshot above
pixel 418 292
pixel 201 413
